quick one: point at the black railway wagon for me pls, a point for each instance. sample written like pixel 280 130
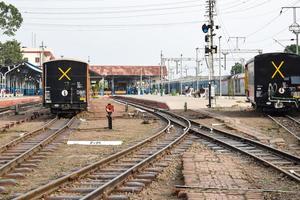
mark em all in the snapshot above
pixel 273 81
pixel 66 86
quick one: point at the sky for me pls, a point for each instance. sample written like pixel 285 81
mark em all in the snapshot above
pixel 134 32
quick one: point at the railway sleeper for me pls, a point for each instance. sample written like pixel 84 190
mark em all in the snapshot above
pixel 7 157
pixel 147 175
pixel 23 170
pixel 9 154
pixel 33 161
pixel 28 165
pixel 282 163
pixel 82 190
pixel 14 176
pixel 103 176
pixel 113 170
pixel 126 189
pixel 118 197
pixel 2 162
pixel 123 165
pixel 8 182
pixel 92 184
pixel 63 197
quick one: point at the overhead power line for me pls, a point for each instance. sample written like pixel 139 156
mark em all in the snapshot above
pixel 247 9
pixel 67 17
pixel 110 7
pixel 269 22
pixel 110 12
pixel 112 25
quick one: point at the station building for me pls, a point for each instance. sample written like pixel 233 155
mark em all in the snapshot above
pixel 126 79
pixel 20 79
pixel 25 78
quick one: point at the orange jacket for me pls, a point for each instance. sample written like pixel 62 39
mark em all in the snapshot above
pixel 109 108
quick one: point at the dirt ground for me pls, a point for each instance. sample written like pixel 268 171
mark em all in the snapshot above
pixel 14 132
pixel 90 126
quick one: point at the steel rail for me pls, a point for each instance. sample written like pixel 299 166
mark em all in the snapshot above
pixel 26 136
pixel 4 109
pixel 238 143
pixel 54 185
pixel 284 127
pixel 109 186
pixel 262 147
pixel 15 162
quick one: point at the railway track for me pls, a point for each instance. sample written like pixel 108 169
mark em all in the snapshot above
pixel 128 170
pixel 289 123
pixel 133 168
pixel 13 109
pixel 221 140
pixel 21 155
pixel 282 161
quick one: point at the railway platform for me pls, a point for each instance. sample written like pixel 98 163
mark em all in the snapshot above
pixel 177 102
pixel 11 101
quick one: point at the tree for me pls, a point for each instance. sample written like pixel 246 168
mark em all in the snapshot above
pixel 10 19
pixel 236 68
pixel 10 53
pixel 291 48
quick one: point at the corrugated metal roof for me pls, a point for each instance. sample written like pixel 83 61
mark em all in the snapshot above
pixel 119 70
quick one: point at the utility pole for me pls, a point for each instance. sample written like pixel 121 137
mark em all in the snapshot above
pixel 197 68
pixel 186 70
pixel 161 73
pixel 225 54
pixel 141 81
pixel 210 49
pixel 42 54
pixel 220 87
pixel 169 77
pixel 295 27
pixel 181 74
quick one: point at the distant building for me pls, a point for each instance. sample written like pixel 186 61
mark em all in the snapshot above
pixel 126 79
pixel 20 79
pixel 37 56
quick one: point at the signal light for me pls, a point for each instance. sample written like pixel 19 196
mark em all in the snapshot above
pixel 205 28
pixel 206 38
pixel 207 50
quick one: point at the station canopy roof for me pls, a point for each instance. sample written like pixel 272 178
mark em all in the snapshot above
pixel 120 70
pixel 10 68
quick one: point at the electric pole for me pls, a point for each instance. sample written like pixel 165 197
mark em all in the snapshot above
pixel 220 87
pixel 161 73
pixel 181 74
pixel 210 49
pixel 42 54
pixel 295 27
pixel 197 68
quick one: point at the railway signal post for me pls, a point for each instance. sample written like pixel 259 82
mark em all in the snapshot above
pixel 109 109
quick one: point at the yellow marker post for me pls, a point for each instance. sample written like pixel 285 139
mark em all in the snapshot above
pixel 277 69
pixel 64 74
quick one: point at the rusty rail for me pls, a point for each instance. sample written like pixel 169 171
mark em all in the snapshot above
pixel 15 162
pixel 26 136
pixel 54 185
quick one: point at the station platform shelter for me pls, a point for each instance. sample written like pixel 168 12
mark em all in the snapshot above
pixel 116 80
pixel 22 79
